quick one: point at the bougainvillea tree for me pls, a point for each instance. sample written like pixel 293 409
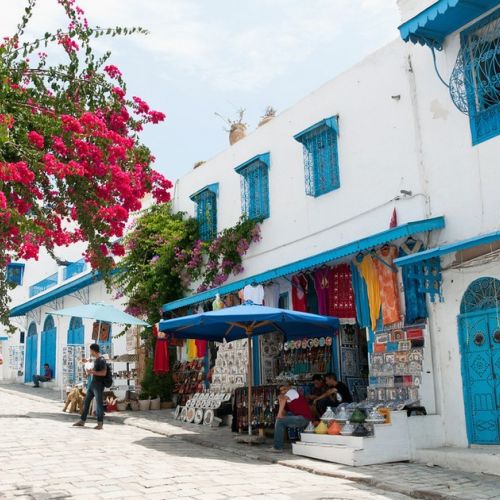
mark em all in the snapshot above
pixel 72 167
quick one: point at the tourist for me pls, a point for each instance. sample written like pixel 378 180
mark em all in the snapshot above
pixel 46 377
pixel 336 392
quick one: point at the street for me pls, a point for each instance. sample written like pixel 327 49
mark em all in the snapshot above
pixel 43 457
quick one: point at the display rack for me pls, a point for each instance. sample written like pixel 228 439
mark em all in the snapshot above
pixel 73 369
pixel 188 379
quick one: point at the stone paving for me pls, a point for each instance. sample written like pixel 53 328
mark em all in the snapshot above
pixel 206 445
pixel 43 457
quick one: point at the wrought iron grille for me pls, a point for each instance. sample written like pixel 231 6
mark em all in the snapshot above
pixel 206 214
pixel 475 79
pixel 321 160
pixel 483 293
pixel 255 190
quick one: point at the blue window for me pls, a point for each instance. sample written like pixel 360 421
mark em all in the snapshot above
pixel 206 211
pixel 74 268
pixel 480 54
pixel 321 162
pixel 255 186
pixel 15 273
pixel 45 284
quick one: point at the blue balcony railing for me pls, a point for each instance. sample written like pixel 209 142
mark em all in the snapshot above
pixel 43 285
pixel 75 268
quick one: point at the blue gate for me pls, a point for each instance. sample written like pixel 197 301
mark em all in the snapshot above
pixel 31 350
pixel 48 345
pixel 479 331
pixel 76 332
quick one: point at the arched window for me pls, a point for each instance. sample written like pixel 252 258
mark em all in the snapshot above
pixel 75 323
pixel 483 293
pixel 76 332
pixel 32 330
pixel 49 323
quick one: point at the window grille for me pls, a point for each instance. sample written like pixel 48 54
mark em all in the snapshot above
pixel 43 285
pixel 255 187
pixel 320 157
pixel 475 80
pixel 206 211
pixel 483 293
pixel 15 273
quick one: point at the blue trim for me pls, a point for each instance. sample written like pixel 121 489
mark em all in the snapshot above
pixel 264 158
pixel 56 293
pixel 354 247
pixel 449 248
pixel 213 188
pixel 331 122
pixel 431 26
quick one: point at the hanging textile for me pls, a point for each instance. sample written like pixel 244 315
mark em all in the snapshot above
pixel 192 352
pixel 299 287
pixel 360 298
pixel 322 288
pixel 341 295
pixel 388 283
pixel 254 294
pixel 272 295
pixel 201 348
pixel 369 272
pixel 415 304
pixel 161 362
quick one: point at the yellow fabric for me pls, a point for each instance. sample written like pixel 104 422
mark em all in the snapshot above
pixel 369 272
pixel 192 351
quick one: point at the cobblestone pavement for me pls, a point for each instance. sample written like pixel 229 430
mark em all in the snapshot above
pixel 43 457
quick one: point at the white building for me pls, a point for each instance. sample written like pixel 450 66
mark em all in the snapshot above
pixel 390 135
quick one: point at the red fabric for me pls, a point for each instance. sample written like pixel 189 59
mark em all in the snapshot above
pixel 300 407
pixel 322 287
pixel 299 287
pixel 341 300
pixel 161 362
pixel 201 347
pixel 394 219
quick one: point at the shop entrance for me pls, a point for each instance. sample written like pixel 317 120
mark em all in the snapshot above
pixel 479 333
pixel 31 353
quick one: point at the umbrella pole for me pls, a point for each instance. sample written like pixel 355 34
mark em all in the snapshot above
pixel 250 379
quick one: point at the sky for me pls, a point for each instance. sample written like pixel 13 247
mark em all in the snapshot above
pixel 208 56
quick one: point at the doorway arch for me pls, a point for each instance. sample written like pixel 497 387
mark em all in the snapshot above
pixel 76 332
pixel 479 336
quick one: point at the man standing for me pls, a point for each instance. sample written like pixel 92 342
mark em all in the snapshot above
pixel 95 389
pixel 46 377
pixel 293 412
pixel 334 387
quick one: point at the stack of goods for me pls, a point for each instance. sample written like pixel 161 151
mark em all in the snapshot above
pixel 264 407
pixel 230 370
pixel 304 358
pixel 396 365
pixel 201 408
pixel 74 401
pixel 126 374
pixel 188 378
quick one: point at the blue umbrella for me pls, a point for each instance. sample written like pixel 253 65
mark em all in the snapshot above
pixel 248 320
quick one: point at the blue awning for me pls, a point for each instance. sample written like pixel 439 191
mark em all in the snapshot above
pixel 432 25
pixel 449 248
pixel 352 248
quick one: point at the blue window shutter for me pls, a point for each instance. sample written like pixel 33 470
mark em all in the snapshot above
pixel 477 74
pixel 15 273
pixel 255 186
pixel 321 164
pixel 206 211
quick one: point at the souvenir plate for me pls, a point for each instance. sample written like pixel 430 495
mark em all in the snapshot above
pixel 190 414
pixel 183 414
pixel 304 343
pixel 208 417
pixel 177 412
pixel 316 342
pixel 328 341
pixel 322 342
pixel 198 417
pixel 298 344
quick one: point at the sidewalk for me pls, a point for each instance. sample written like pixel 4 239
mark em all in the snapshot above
pixel 414 480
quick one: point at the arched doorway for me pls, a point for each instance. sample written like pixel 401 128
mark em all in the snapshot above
pixel 48 345
pixel 76 332
pixel 31 348
pixel 479 332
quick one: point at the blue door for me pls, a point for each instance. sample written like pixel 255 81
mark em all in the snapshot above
pixel 76 332
pixel 31 350
pixel 480 352
pixel 48 345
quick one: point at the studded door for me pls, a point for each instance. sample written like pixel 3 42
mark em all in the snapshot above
pixel 494 323
pixel 480 386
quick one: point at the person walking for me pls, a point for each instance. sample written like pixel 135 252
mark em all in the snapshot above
pixel 46 377
pixel 95 389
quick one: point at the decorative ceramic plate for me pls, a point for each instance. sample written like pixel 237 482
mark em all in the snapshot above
pixel 316 342
pixel 198 416
pixel 190 414
pixel 208 417
pixel 304 344
pixel 322 342
pixel 328 341
pixel 298 344
pixel 183 413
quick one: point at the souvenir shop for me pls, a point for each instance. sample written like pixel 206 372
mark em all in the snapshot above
pixel 381 352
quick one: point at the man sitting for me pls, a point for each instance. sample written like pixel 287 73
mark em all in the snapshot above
pixel 317 389
pixel 293 412
pixel 334 388
pixel 46 377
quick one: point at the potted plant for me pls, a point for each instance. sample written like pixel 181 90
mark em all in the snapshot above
pixel 144 401
pixel 237 128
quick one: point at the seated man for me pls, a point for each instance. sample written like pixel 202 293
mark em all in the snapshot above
pixel 293 412
pixel 318 388
pixel 334 388
pixel 46 377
